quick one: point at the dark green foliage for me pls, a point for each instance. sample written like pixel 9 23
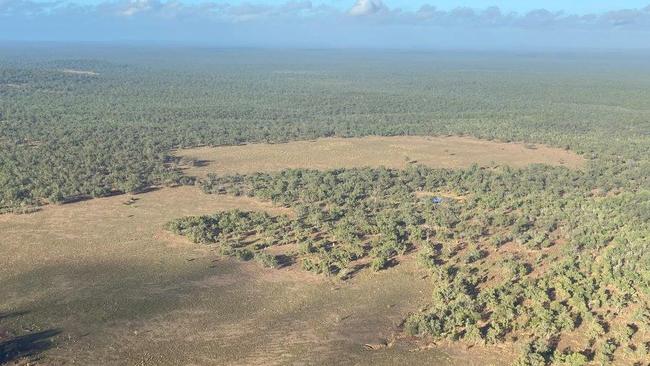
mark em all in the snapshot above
pixel 570 359
pixel 379 262
pixel 474 255
pixel 267 260
pixel 207 229
pixel 243 254
pixel 535 353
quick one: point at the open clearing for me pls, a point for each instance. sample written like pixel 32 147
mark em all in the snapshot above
pixel 106 284
pixel 392 152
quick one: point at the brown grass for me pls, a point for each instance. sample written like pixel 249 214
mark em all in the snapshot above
pixel 393 152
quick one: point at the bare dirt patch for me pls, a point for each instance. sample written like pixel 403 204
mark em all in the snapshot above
pixel 443 195
pixel 393 152
pixel 80 72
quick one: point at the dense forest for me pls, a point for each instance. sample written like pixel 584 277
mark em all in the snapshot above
pixel 534 254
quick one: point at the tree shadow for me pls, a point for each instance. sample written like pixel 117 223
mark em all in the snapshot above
pixel 27 345
pixel 12 314
pixel 393 262
pixel 202 163
pixel 74 199
pixel 146 190
pixel 284 260
pixel 355 270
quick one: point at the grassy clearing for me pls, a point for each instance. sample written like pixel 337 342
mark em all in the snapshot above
pixel 392 152
pixel 120 289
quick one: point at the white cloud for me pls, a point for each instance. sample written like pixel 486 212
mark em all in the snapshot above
pixel 136 6
pixel 304 11
pixel 366 7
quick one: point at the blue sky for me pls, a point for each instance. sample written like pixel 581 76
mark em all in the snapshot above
pixel 465 24
pixel 572 6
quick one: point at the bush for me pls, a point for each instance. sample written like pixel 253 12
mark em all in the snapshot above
pixel 414 324
pixel 379 263
pixel 498 240
pixel 243 254
pixel 318 265
pixel 474 255
pixel 570 359
pixel 426 259
pixel 535 353
pixel 267 260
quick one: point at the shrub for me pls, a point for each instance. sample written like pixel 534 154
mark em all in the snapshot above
pixel 414 324
pixel 267 260
pixel 606 351
pixel 570 359
pixel 474 255
pixel 499 239
pixel 243 254
pixel 534 353
pixel 318 265
pixel 380 262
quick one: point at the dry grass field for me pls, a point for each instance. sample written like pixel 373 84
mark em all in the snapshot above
pixel 392 152
pixel 101 282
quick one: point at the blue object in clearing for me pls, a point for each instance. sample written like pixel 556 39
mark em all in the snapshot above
pixel 437 200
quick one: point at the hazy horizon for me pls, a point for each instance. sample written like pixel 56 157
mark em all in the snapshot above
pixel 389 24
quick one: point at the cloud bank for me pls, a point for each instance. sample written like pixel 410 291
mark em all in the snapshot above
pixel 368 19
pixel 374 11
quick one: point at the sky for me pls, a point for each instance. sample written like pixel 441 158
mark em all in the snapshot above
pixel 425 24
pixel 572 6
